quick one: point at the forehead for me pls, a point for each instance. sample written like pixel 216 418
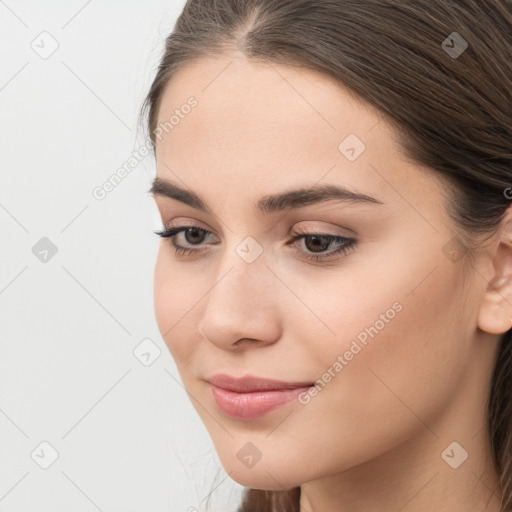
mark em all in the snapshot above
pixel 260 123
pixel 262 102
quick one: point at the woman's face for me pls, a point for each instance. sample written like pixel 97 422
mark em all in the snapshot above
pixel 387 327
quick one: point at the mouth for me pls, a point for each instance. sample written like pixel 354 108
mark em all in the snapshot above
pixel 249 398
pixel 251 383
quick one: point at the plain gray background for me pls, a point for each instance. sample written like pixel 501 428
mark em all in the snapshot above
pixel 89 418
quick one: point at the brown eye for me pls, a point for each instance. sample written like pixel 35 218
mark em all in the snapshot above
pixel 194 235
pixel 318 243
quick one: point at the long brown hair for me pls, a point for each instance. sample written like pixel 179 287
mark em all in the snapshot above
pixel 451 104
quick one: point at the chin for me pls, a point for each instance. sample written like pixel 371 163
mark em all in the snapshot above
pixel 263 480
pixel 262 475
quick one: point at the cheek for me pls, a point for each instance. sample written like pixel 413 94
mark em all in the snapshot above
pixel 397 302
pixel 175 303
pixel 396 340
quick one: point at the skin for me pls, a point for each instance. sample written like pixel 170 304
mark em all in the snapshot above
pixel 372 439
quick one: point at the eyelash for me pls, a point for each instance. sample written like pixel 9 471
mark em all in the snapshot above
pixel 348 243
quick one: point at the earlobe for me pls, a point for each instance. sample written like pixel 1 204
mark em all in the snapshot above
pixel 495 315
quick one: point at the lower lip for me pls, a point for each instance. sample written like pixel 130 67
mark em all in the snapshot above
pixel 249 406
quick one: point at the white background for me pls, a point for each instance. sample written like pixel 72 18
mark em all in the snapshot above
pixel 126 434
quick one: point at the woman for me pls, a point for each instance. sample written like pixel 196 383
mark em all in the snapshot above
pixel 335 278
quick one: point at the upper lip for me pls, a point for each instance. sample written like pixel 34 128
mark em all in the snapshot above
pixel 250 383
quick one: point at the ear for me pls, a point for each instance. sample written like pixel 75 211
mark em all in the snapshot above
pixel 495 315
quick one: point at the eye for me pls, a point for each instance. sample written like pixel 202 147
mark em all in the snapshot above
pixel 195 232
pixel 320 242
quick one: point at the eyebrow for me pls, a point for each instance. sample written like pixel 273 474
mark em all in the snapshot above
pixel 272 203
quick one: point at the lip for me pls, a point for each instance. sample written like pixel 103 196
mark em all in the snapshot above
pixel 250 397
pixel 250 383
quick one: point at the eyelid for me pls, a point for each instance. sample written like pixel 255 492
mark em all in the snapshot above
pixel 328 231
pixel 191 223
pixel 304 230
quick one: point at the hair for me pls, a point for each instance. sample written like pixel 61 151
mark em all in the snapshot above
pixel 453 114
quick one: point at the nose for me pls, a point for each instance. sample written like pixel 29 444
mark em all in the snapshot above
pixel 242 307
